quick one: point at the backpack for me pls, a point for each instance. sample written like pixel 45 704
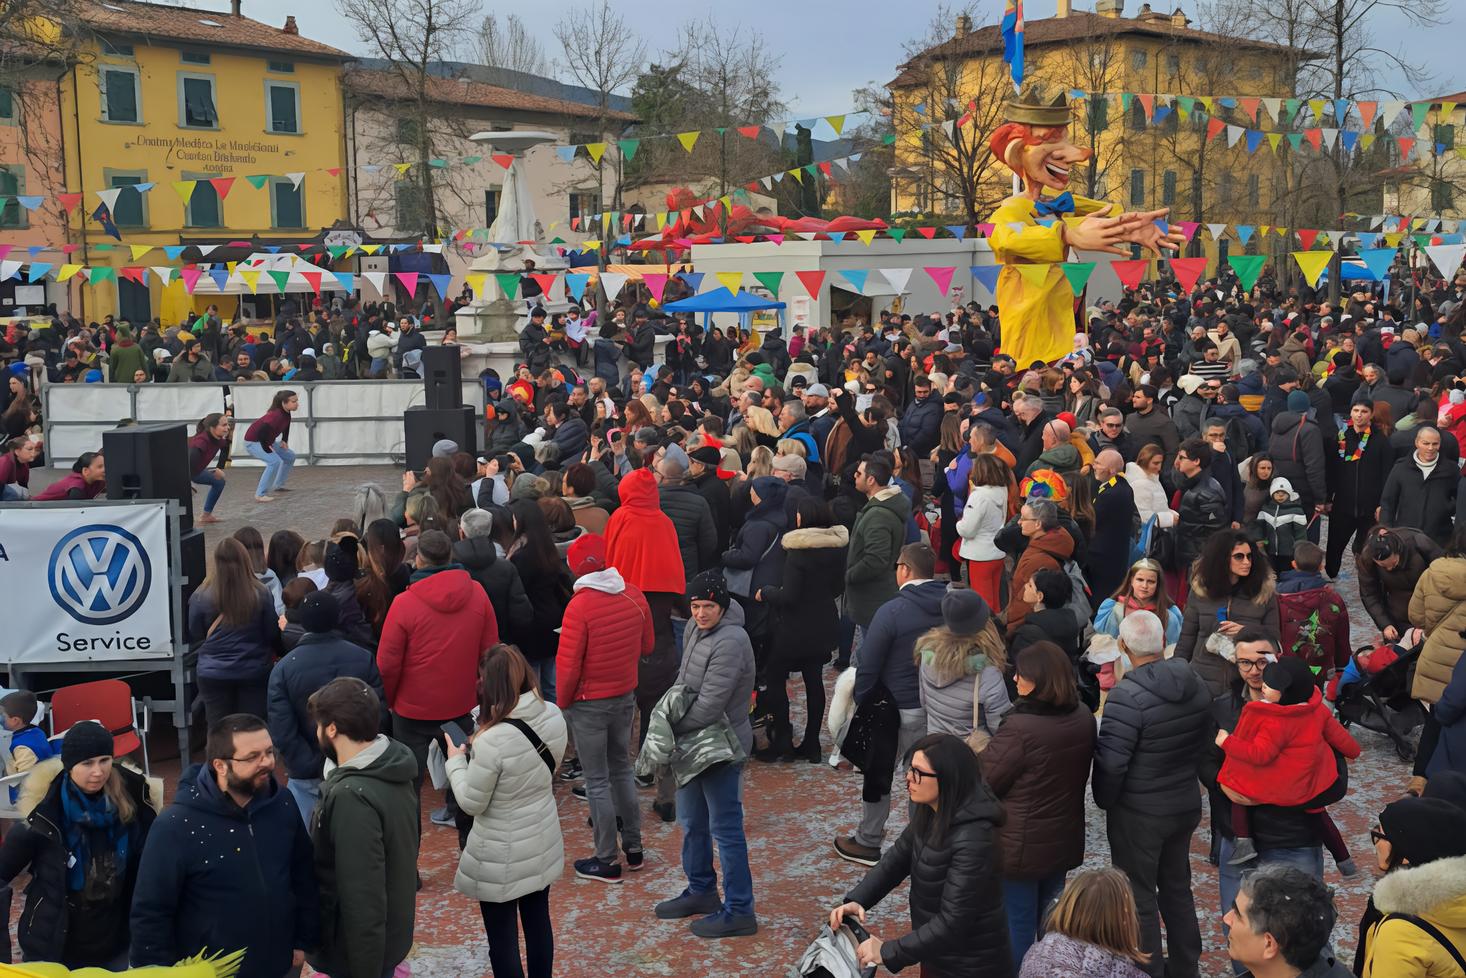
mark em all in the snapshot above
pixel 1239 439
pixel 1079 601
pixel 1308 620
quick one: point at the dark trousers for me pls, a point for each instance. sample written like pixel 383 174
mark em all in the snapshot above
pixel 1154 851
pixel 1344 528
pixel 776 697
pixel 415 735
pixel 501 926
pixel 223 697
pixel 1430 735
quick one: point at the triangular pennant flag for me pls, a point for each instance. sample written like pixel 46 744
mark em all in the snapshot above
pixel 1244 233
pixel 1214 127
pixel 109 197
pixel 251 280
pixel 866 236
pixel 749 132
pixel 165 273
pixel 221 277
pixel 38 270
pixel 1406 144
pixel 222 185
pixel 856 277
pixel 258 181
pixel 575 283
pixel 1349 138
pixel 1447 258
pixel 613 282
pixel 1417 114
pixel 139 250
pixel 545 280
pixel 9 270
pixel 1248 268
pixel 1254 140
pixel 896 234
pixel 693 280
pixel 1077 273
pixel 656 283
pixel 1188 228
pixel 595 151
pixel 281 279
pixel 566 154
pixel 928 233
pixel 688 139
pixel 1234 133
pixel 67 271
pixel 812 282
pixel 505 160
pixel 1306 237
pixel 1273 107
pixel 837 123
pixel 770 281
pixel 313 279
pixel 1217 230
pixel 628 148
pixel 958 231
pixel 1188 271
pixel 347 281
pixel 1034 274
pixel 1273 139
pixel 987 277
pixel 377 280
pixel 732 281
pixel 1378 261
pixel 295 179
pixel 98 274
pixel 184 189
pixel 1249 105
pixel 1312 264
pixel 942 276
pixel 1366 112
pixel 408 281
pixel 1130 273
pixel 897 277
pixel 440 282
pixel 508 283
pixel 68 202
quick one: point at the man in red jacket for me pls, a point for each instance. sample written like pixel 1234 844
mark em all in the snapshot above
pixel 606 630
pixel 431 642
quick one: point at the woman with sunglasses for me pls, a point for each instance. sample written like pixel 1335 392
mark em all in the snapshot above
pixel 948 850
pixel 1232 586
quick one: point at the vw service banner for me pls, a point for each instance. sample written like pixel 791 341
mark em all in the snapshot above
pixel 85 583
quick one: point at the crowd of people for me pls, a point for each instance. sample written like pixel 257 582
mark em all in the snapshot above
pixel 1008 586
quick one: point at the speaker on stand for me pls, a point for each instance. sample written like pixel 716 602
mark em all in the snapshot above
pixel 442 374
pixel 444 415
pixel 150 461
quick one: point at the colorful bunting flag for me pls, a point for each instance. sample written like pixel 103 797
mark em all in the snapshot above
pixel 1188 271
pixel 941 275
pixel 770 281
pixel 812 282
pixel 1077 273
pixel 688 139
pixel 987 277
pixel 1131 272
pixel 1312 264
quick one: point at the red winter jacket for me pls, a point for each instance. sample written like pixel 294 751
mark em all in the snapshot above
pixel 1284 755
pixel 641 541
pixel 607 628
pixel 431 642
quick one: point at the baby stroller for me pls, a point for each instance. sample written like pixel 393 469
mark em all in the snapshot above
pixel 832 954
pixel 1381 701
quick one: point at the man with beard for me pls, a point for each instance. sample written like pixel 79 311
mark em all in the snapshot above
pixel 366 836
pixel 228 866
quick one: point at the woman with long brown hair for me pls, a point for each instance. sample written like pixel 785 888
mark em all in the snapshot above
pixel 1092 931
pixel 387 574
pixel 234 615
pixel 502 778
pixel 1232 586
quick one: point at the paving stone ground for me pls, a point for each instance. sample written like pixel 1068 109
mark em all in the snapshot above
pixel 792 813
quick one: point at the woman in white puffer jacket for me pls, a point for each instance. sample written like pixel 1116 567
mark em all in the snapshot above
pixel 503 780
pixel 1144 476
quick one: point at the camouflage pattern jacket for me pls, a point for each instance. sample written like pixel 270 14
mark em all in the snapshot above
pixel 692 753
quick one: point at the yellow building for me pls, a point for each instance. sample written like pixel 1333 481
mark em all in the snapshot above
pixel 1149 152
pixel 1431 184
pixel 231 126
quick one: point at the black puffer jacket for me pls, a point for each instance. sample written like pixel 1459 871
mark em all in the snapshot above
pixel 500 580
pixel 697 534
pixel 1296 446
pixel 1413 500
pixel 38 845
pixel 1203 510
pixel 316 659
pixel 806 618
pixel 1153 737
pixel 958 927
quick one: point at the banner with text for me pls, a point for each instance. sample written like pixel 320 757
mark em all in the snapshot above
pixel 103 589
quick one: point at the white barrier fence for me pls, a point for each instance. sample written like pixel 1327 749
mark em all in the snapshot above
pixel 340 422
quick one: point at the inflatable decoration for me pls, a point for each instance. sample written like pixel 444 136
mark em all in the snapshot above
pixel 1034 228
pixel 687 229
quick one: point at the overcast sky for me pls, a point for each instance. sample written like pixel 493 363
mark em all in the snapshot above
pixel 828 50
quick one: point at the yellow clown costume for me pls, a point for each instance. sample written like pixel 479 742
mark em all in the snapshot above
pixel 1037 319
pixel 212 966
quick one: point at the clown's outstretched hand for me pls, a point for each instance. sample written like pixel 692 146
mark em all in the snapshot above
pixel 1099 232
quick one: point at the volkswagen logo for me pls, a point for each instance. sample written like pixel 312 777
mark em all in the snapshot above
pixel 99 574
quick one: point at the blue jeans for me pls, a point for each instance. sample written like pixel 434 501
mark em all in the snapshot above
pixel 1229 877
pixel 544 672
pixel 1026 900
pixel 278 463
pixel 307 793
pixel 709 809
pixel 216 488
pixel 14 492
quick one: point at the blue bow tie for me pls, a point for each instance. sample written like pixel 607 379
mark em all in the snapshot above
pixel 1055 206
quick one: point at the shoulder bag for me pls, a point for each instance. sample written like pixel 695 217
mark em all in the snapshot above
pixel 535 742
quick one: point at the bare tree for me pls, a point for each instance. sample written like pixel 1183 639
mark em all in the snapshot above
pixel 603 53
pixel 1099 69
pixel 508 44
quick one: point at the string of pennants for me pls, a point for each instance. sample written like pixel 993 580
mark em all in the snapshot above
pixel 1447 256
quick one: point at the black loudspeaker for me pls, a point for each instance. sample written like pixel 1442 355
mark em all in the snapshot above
pixel 424 426
pixel 193 563
pixel 442 375
pixel 150 461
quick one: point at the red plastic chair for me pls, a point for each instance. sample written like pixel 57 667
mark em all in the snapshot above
pixel 110 703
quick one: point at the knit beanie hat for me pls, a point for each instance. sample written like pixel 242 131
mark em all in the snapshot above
pixel 1298 402
pixel 341 561
pixel 1291 677
pixel 587 554
pixel 964 611
pixel 709 586
pixel 1423 830
pixel 707 455
pixel 319 611
pixel 83 742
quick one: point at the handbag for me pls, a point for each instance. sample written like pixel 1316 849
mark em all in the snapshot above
pixel 740 580
pixel 870 743
pixel 979 738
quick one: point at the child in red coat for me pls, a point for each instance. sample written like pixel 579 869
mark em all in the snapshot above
pixel 1282 753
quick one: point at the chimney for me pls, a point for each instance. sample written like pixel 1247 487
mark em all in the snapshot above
pixel 1109 8
pixel 1065 8
pixel 964 25
pixel 1179 18
pixel 290 27
pixel 235 8
pixel 1144 12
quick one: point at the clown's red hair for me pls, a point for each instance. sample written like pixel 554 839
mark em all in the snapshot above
pixel 1005 135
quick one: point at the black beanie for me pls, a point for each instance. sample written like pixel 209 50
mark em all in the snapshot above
pixel 341 563
pixel 1423 830
pixel 319 612
pixel 1290 676
pixel 709 586
pixel 83 742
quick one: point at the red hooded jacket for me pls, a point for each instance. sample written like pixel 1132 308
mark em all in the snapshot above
pixel 1284 755
pixel 431 642
pixel 641 541
pixel 606 630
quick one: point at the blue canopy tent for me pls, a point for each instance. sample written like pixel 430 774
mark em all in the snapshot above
pixel 721 300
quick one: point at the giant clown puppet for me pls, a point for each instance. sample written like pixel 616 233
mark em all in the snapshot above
pixel 1038 321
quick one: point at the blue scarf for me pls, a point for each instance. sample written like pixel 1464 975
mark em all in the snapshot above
pixel 81 813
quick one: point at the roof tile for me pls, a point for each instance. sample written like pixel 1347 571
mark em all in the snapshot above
pixel 462 91
pixel 197 25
